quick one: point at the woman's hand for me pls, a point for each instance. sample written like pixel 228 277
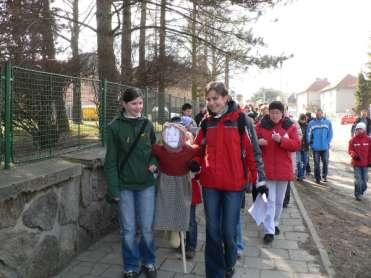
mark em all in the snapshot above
pixel 152 168
pixel 262 142
pixel 276 137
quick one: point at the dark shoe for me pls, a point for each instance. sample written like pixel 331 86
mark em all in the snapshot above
pixel 324 179
pixel 268 238
pixel 300 179
pixel 190 253
pixel 276 231
pixel 358 198
pixel 149 271
pixel 318 181
pixel 131 274
pixel 229 273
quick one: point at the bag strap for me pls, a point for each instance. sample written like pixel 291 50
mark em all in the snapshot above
pixel 133 145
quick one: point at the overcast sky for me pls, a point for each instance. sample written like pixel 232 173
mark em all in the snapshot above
pixel 328 38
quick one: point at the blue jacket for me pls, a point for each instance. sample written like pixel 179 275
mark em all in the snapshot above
pixel 319 134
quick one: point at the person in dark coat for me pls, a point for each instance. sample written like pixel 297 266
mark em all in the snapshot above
pixel 364 118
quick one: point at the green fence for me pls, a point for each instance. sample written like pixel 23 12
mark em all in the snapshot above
pixel 43 115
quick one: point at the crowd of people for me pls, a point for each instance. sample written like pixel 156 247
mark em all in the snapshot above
pixel 215 159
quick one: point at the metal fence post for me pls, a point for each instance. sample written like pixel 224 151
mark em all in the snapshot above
pixel 103 111
pixel 8 115
pixel 170 107
pixel 146 102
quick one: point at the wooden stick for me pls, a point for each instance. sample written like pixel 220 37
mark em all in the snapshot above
pixel 183 252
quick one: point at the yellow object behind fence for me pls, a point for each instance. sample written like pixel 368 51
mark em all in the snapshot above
pixel 89 114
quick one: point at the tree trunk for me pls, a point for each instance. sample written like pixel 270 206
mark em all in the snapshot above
pixel 142 45
pixel 48 55
pixel 162 64
pixel 194 52
pixel 76 101
pixel 226 73
pixel 126 65
pixel 106 56
pixel 48 48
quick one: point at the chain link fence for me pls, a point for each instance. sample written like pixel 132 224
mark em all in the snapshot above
pixel 43 115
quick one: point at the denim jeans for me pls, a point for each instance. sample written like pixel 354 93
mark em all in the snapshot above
pixel 360 180
pixel 191 236
pixel 239 236
pixel 137 211
pixel 222 211
pixel 301 162
pixel 324 156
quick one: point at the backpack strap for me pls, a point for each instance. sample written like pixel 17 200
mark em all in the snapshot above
pixel 241 123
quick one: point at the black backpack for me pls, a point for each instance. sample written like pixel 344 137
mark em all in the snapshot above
pixel 241 124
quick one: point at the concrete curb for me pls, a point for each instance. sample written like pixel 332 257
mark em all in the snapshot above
pixel 322 251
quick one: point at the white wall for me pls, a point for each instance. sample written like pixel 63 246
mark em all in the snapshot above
pixel 301 103
pixel 328 102
pixel 314 98
pixel 345 100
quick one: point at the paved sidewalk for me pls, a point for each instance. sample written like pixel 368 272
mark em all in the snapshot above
pixel 285 257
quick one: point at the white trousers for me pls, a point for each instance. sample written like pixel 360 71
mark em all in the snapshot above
pixel 277 190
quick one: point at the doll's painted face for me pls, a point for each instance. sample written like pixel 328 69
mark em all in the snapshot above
pixel 172 137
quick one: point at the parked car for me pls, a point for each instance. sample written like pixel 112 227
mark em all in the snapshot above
pixel 348 119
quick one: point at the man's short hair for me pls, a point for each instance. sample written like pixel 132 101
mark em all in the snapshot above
pixel 186 106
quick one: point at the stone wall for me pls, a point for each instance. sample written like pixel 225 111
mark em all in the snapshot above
pixel 50 211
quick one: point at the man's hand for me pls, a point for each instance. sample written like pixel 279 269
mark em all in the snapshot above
pixel 262 189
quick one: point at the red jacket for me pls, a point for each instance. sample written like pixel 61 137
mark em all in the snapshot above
pixel 196 191
pixel 360 145
pixel 221 164
pixel 277 156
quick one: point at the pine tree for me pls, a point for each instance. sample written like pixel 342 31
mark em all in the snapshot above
pixel 363 93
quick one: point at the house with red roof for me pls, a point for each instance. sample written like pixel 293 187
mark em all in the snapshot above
pixel 310 99
pixel 339 99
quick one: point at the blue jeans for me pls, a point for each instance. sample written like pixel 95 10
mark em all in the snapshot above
pixel 301 163
pixel 239 236
pixel 137 211
pixel 324 156
pixel 222 211
pixel 191 239
pixel 360 180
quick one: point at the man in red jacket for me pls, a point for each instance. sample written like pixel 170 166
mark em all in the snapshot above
pixel 360 151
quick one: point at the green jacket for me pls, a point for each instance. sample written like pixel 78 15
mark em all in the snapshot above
pixel 121 133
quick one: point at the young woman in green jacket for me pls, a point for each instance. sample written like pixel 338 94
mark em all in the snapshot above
pixel 131 182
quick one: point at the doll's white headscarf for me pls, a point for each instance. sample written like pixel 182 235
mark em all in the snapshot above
pixel 175 136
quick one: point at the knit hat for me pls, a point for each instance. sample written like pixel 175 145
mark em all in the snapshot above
pixel 361 125
pixel 276 105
